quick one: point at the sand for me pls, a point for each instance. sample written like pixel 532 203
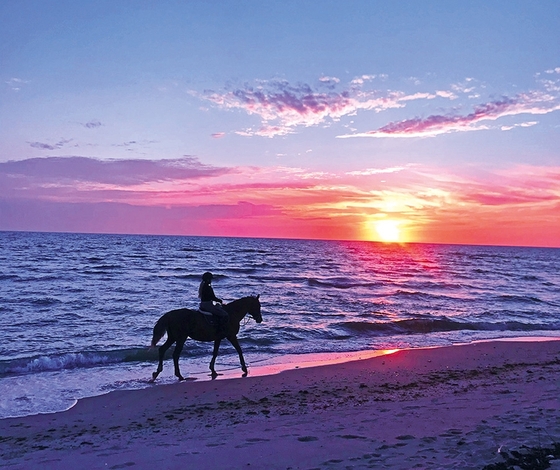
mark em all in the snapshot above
pixel 451 407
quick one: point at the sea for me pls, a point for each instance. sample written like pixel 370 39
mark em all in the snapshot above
pixel 77 310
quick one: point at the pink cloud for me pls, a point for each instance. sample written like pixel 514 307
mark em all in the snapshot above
pixel 282 106
pixel 505 196
pixel 267 131
pixel 530 103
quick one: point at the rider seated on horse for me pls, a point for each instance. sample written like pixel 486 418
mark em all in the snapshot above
pixel 207 299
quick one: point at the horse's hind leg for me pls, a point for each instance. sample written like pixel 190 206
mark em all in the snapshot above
pixel 176 355
pixel 162 349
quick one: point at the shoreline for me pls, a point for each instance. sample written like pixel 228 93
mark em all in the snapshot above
pixel 448 406
pixel 28 393
pixel 294 361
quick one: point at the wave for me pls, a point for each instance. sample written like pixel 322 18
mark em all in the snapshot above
pixel 523 299
pixel 433 285
pixel 38 278
pixel 529 278
pixel 96 268
pixel 340 283
pixel 411 295
pixel 415 326
pixel 278 278
pixel 175 276
pixel 44 302
pixel 85 359
pixel 54 362
pixel 242 270
pixel 88 359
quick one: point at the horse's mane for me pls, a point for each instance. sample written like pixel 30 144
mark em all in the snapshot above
pixel 242 299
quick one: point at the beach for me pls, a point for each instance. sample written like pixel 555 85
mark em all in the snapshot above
pixel 446 407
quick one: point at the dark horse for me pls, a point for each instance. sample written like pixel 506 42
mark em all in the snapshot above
pixel 184 323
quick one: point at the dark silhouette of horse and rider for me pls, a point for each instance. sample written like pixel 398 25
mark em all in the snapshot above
pixel 212 322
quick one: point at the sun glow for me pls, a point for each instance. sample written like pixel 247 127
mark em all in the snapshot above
pixel 388 230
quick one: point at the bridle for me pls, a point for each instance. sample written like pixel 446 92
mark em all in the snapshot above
pixel 247 318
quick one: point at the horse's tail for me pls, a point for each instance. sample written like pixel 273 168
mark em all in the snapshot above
pixel 159 330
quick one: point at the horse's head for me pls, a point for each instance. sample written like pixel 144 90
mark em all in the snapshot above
pixel 254 308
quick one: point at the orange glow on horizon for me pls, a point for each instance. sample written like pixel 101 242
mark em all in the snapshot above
pixel 513 207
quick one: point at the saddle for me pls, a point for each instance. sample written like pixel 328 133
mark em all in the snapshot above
pixel 213 321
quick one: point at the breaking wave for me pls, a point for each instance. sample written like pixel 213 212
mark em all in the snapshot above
pixel 433 325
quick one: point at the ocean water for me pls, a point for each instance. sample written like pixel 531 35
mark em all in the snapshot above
pixel 77 310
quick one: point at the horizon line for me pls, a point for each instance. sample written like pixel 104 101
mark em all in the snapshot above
pixel 379 242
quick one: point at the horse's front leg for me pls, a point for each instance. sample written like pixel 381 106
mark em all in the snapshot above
pixel 237 347
pixel 162 350
pixel 176 355
pixel 214 356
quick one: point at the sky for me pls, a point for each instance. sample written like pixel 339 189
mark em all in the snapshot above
pixel 433 122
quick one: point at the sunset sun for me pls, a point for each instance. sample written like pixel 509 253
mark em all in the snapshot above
pixel 388 230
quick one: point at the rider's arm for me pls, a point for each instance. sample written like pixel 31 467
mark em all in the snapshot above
pixel 214 298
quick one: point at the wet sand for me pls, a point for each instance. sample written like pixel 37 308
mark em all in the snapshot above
pixel 451 407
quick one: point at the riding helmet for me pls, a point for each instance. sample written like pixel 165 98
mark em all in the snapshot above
pixel 207 277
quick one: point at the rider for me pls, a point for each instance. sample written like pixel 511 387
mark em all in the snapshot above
pixel 207 299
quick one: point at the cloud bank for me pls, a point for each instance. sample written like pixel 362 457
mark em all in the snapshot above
pixel 443 124
pixel 51 170
pixel 185 196
pixel 283 107
pixel 532 103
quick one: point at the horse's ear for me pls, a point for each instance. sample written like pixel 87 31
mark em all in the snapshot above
pixel 258 295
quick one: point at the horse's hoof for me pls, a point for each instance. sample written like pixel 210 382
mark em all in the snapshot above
pixel 181 378
pixel 154 376
pixel 214 374
pixel 244 374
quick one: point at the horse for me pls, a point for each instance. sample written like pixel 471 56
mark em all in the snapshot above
pixel 183 323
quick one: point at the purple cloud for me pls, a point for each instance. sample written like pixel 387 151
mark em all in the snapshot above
pixel 121 172
pixel 282 106
pixel 44 146
pixel 530 103
pixel 93 124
